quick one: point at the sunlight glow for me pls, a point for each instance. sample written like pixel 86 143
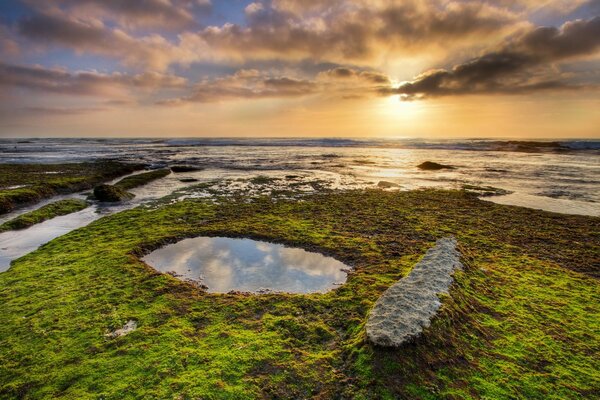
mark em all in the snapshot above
pixel 395 109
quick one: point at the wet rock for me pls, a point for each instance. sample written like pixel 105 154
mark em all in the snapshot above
pixel 485 191
pixel 387 185
pixel 187 180
pixel 408 306
pixel 111 194
pixel 433 166
pixel 185 168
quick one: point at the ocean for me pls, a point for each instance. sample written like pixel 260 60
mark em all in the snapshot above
pixel 554 176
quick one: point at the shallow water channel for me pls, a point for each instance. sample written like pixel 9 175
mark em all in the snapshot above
pixel 226 264
pixel 14 244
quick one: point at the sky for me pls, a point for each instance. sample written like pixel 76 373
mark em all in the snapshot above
pixel 300 68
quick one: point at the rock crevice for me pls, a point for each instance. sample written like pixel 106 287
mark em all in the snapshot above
pixel 408 306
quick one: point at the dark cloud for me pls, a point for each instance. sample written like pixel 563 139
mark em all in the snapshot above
pixel 245 84
pixel 51 28
pixel 348 73
pixel 8 45
pixel 521 65
pixel 153 52
pixel 85 83
pixel 340 82
pixel 169 14
pixel 61 110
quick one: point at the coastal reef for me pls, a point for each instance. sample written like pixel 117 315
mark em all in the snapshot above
pixel 520 320
pixel 23 184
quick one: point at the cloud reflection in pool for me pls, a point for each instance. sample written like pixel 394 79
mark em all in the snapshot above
pixel 225 264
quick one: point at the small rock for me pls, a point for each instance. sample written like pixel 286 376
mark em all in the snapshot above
pixel 111 194
pixel 386 184
pixel 185 168
pixel 485 191
pixel 186 180
pixel 433 166
pixel 129 327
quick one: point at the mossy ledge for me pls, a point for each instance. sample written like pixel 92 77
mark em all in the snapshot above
pixel 521 320
pixel 134 181
pixel 24 184
pixel 49 211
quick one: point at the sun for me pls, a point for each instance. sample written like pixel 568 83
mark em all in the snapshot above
pixel 396 109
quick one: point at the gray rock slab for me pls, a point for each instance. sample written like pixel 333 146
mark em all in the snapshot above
pixel 408 306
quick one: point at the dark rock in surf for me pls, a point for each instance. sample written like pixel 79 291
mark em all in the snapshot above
pixel 185 168
pixel 433 166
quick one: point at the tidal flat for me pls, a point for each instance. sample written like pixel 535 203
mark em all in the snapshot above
pixel 521 320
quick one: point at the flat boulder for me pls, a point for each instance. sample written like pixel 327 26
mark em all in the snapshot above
pixel 433 166
pixel 111 194
pixel 409 305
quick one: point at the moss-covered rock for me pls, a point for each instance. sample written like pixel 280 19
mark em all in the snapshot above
pixel 111 193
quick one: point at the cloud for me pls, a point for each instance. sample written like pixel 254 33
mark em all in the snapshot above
pixel 245 84
pixel 523 64
pixel 92 36
pixel 8 45
pixel 358 32
pixel 340 82
pixel 168 14
pixel 345 42
pixel 52 111
pixel 346 73
pixel 83 83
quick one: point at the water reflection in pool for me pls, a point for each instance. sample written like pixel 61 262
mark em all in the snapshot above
pixel 225 264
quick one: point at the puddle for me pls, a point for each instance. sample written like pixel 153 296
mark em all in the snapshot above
pixel 225 264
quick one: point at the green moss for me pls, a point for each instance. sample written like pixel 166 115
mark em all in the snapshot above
pixel 61 207
pixel 37 182
pixel 141 179
pixel 522 320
